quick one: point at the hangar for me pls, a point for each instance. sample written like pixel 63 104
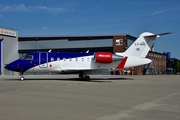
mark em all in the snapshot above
pixel 14 46
pixel 8 47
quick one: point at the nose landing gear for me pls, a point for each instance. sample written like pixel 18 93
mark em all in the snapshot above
pixel 21 76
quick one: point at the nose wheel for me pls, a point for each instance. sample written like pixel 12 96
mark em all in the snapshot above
pixel 21 76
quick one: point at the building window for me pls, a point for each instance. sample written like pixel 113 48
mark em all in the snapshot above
pixel 119 42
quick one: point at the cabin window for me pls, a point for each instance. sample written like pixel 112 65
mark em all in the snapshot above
pixel 52 59
pixel 76 59
pixel 82 59
pixel 28 57
pixel 88 59
pixel 58 59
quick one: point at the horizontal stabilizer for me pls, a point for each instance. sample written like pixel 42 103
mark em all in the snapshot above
pixel 157 35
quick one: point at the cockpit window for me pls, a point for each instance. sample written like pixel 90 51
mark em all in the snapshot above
pixel 28 57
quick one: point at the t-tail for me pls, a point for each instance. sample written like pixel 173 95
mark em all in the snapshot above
pixel 137 52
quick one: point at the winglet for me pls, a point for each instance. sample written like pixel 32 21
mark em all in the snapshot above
pixel 122 63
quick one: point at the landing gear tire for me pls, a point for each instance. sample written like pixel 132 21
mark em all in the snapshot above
pixel 22 79
pixel 87 78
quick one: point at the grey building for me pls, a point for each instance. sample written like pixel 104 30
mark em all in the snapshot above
pixel 8 47
pixel 90 43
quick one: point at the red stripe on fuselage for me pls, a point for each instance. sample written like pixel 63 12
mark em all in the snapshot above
pixel 122 63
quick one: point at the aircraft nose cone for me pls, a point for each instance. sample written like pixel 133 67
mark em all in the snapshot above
pixel 7 67
pixel 10 67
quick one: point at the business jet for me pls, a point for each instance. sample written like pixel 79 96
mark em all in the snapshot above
pixel 87 62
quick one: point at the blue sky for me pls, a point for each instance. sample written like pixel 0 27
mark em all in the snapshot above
pixel 95 17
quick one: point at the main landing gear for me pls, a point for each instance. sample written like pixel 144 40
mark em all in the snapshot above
pixel 83 76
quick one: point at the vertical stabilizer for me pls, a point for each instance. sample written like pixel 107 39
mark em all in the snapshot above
pixel 143 44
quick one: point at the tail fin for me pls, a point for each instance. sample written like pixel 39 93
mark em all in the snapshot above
pixel 143 44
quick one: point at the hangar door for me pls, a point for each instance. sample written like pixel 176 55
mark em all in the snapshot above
pixel 1 57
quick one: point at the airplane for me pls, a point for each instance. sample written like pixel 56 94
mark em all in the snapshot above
pixel 85 63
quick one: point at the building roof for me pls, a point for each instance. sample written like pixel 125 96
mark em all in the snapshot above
pixel 87 37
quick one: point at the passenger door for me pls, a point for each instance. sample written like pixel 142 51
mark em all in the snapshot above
pixel 43 59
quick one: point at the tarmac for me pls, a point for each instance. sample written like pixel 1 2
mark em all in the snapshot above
pixel 65 97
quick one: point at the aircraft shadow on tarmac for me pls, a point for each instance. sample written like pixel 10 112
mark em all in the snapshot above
pixel 109 79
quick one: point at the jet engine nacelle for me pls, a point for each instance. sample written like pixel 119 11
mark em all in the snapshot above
pixel 103 57
pixel 106 57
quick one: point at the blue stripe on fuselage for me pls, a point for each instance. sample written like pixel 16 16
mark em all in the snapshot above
pixel 24 65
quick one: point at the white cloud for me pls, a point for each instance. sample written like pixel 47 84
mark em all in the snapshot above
pixel 164 11
pixel 44 28
pixel 1 16
pixel 24 8
pixel 160 12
